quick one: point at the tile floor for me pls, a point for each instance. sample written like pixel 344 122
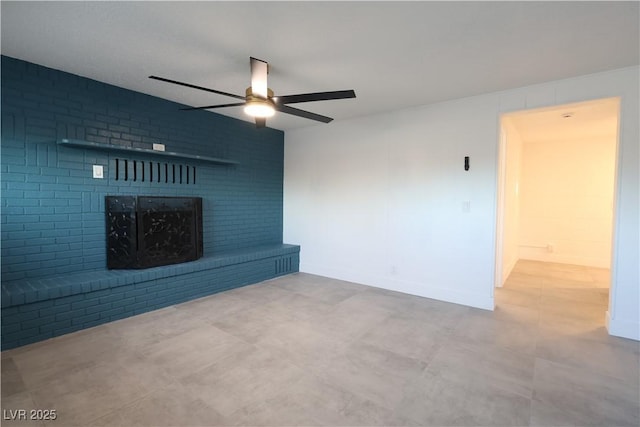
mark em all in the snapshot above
pixel 307 350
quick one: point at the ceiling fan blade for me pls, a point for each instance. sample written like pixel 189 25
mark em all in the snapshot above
pixel 261 122
pixel 302 113
pixel 318 96
pixel 259 71
pixel 162 79
pixel 207 107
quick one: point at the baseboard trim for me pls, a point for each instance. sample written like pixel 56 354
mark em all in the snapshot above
pixel 621 328
pixel 506 271
pixel 420 289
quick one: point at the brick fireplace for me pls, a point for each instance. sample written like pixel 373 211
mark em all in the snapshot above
pixel 54 241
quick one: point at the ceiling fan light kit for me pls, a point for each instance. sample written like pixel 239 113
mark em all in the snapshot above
pixel 257 106
pixel 259 101
pixel 259 109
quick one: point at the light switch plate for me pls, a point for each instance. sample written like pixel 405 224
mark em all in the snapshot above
pixel 158 147
pixel 98 171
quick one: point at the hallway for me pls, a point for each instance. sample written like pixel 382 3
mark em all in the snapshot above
pixel 589 368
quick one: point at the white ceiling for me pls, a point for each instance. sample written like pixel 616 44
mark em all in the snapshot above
pixel 589 120
pixel 394 54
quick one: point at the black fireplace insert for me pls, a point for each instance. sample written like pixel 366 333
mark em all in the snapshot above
pixel 149 231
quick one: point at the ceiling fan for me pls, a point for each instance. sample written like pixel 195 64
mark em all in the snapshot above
pixel 259 101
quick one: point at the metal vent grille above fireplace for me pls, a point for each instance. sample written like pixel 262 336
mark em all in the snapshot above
pixel 153 172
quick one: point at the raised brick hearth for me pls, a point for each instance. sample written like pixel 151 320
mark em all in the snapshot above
pixel 33 310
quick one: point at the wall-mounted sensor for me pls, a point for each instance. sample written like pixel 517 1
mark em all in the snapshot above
pixel 466 163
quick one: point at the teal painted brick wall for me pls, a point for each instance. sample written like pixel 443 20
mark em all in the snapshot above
pixel 52 211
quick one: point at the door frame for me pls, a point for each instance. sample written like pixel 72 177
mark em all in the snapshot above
pixel 500 199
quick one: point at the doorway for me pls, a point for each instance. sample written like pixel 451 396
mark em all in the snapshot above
pixel 556 204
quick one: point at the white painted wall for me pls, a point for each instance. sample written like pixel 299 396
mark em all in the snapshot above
pixel 511 222
pixel 567 201
pixel 379 199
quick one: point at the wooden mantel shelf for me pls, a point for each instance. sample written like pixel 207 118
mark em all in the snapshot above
pixel 108 147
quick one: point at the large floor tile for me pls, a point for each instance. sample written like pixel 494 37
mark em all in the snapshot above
pixel 407 337
pixel 552 325
pixel 510 313
pixel 249 378
pixel 352 318
pixel 322 281
pixel 259 293
pixel 485 364
pixel 606 358
pixel 67 354
pixel 515 330
pixel 566 296
pixel 567 395
pixel 138 332
pixel 94 391
pixel 435 313
pixel 395 302
pixel 307 401
pixel 303 344
pixel 374 374
pixel 169 406
pixel 217 306
pixel 16 410
pixel 519 279
pixel 441 398
pixel 192 351
pixel 362 412
pixel 297 307
pixel 522 296
pixel 329 291
pixel 11 378
pixel 553 270
pixel 273 411
pixel 251 324
pixel 562 307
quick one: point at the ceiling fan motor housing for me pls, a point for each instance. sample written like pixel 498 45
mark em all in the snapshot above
pixel 250 96
pixel 258 106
